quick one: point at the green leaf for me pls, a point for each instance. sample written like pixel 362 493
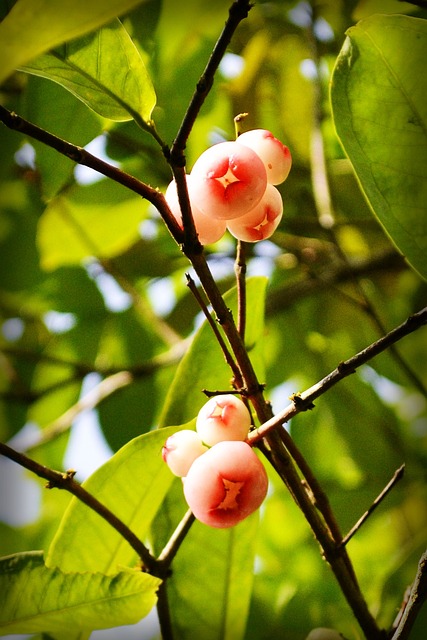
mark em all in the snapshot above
pixel 69 119
pixel 103 69
pixel 36 598
pixel 221 563
pixel 34 26
pixel 204 367
pixel 98 220
pixel 133 484
pixel 379 100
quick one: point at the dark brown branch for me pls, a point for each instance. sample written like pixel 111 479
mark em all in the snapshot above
pixel 304 401
pixel 58 480
pixel 398 474
pixel 83 157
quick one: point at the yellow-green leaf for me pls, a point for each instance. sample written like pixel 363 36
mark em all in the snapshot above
pixel 34 26
pixel 87 221
pixel 379 100
pixel 38 599
pixel 103 69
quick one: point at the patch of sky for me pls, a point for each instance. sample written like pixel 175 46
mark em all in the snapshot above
pixel 97 147
pixel 20 495
pixel 26 156
pixel 13 329
pixel 115 298
pixel 87 448
pixel 161 294
pixel 59 322
pixel 231 66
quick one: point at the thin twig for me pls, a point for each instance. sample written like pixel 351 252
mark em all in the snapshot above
pixel 177 538
pixel 92 399
pixel 417 597
pixel 398 474
pixel 303 401
pixel 238 11
pixel 227 355
pixel 240 271
pixel 66 481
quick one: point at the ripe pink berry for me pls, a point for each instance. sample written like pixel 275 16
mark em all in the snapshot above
pixel 181 449
pixel 226 484
pixel 208 229
pixel 275 155
pixel 262 221
pixel 223 417
pixel 229 180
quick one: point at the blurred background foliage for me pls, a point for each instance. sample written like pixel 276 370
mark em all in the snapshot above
pixel 92 284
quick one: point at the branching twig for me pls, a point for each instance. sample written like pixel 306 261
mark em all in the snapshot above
pixel 56 479
pixel 303 401
pixel 398 474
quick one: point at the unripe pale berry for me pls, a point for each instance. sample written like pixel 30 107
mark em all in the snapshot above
pixel 209 230
pixel 223 417
pixel 274 154
pixel 226 484
pixel 229 180
pixel 262 221
pixel 181 449
pixel 323 633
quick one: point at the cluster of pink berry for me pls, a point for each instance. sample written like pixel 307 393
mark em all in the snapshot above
pixel 231 186
pixel 223 479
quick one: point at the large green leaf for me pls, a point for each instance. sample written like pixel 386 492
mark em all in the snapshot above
pixel 98 220
pixel 103 69
pixel 133 484
pixel 34 26
pixel 204 367
pixel 38 599
pixel 379 100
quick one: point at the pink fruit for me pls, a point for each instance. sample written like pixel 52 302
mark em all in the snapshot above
pixel 275 155
pixel 181 449
pixel 223 417
pixel 226 484
pixel 208 229
pixel 229 180
pixel 262 221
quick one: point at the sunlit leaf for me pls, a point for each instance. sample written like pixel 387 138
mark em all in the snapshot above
pixel 34 26
pixel 37 599
pixel 133 484
pixel 103 69
pixel 93 221
pixel 380 110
